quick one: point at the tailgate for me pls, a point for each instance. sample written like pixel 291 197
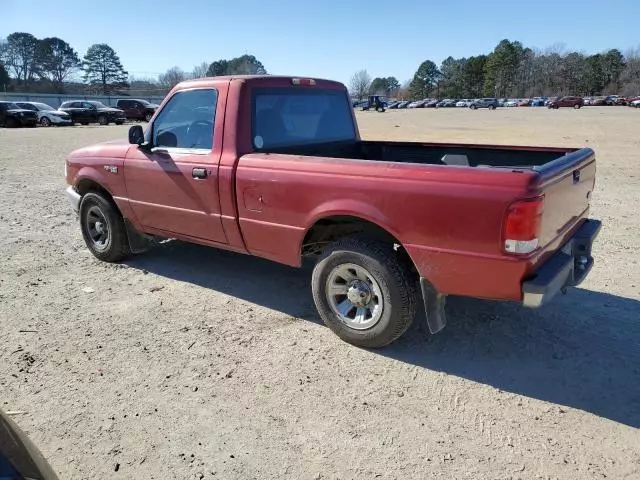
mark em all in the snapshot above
pixel 567 184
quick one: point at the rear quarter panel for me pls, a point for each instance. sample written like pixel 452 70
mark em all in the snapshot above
pixel 448 218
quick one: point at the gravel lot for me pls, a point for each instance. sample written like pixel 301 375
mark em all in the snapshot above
pixel 189 362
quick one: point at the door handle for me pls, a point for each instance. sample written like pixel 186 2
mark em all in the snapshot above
pixel 199 173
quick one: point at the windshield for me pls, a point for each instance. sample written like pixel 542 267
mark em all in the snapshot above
pixel 98 104
pixel 42 106
pixel 289 117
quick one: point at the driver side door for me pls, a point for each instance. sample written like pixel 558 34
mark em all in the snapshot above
pixel 173 184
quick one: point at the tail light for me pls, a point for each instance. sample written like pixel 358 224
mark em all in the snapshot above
pixel 522 226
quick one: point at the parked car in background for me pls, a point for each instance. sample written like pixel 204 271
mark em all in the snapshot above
pixel 490 103
pixel 393 105
pixel 404 104
pixel 465 102
pixel 446 103
pixel 525 102
pixel 538 102
pixel 431 104
pixel 136 109
pixel 634 102
pixel 11 115
pixel 511 103
pixel 92 111
pixel 575 102
pixel 417 104
pixel 599 101
pixel 47 115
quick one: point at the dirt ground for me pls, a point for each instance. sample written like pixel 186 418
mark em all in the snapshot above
pixel 189 362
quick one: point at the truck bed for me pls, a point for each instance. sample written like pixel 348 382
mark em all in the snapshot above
pixel 433 153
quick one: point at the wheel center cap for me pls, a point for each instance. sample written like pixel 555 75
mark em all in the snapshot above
pixel 359 293
pixel 99 227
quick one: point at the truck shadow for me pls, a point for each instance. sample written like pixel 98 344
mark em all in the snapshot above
pixel 581 351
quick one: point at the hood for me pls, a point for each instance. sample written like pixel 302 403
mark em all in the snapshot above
pixel 113 148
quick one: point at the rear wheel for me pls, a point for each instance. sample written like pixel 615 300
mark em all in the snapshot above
pixel 45 122
pixel 103 228
pixel 11 122
pixel 364 291
pixel 473 107
pixel 492 107
pixel 576 106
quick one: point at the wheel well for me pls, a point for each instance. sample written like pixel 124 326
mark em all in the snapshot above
pixel 86 185
pixel 329 229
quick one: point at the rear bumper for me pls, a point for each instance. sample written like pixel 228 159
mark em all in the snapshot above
pixel 75 198
pixel 568 267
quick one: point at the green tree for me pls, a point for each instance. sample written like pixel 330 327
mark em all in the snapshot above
pixel 501 68
pixel 20 54
pixel 4 78
pixel 595 77
pixel 613 64
pixel 244 65
pixel 103 69
pixel 473 76
pixel 218 68
pixel 452 80
pixel 58 60
pixel 425 80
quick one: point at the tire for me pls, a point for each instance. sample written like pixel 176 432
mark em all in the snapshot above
pixel 113 245
pixel 103 120
pixel 473 107
pixel 84 123
pixel 119 123
pixel 147 117
pixel 11 122
pixel 45 122
pixel 492 107
pixel 388 279
pixel 577 106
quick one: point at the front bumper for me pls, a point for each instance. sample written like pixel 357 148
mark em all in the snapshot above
pixel 75 198
pixel 60 120
pixel 568 267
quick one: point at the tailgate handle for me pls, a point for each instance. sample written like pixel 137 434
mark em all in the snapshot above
pixel 576 176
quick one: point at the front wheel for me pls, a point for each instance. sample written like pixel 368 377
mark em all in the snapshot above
pixel 103 120
pixel 103 228
pixel 577 106
pixel 473 107
pixel 364 291
pixel 45 122
pixel 147 117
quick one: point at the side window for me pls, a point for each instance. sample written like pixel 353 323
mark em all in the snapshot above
pixel 187 120
pixel 124 104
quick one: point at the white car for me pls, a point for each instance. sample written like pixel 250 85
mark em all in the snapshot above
pixel 511 103
pixel 462 103
pixel 47 115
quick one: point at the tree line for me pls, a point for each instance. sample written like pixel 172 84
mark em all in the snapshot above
pixel 512 70
pixel 51 65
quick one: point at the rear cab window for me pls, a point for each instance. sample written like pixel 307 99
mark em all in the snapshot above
pixel 291 117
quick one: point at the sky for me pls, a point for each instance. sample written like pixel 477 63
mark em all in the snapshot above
pixel 328 39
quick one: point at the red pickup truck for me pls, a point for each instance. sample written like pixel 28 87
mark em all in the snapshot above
pixel 274 167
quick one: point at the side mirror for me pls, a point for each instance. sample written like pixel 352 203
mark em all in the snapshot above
pixel 136 135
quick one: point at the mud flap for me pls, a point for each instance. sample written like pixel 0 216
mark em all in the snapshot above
pixel 138 242
pixel 434 306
